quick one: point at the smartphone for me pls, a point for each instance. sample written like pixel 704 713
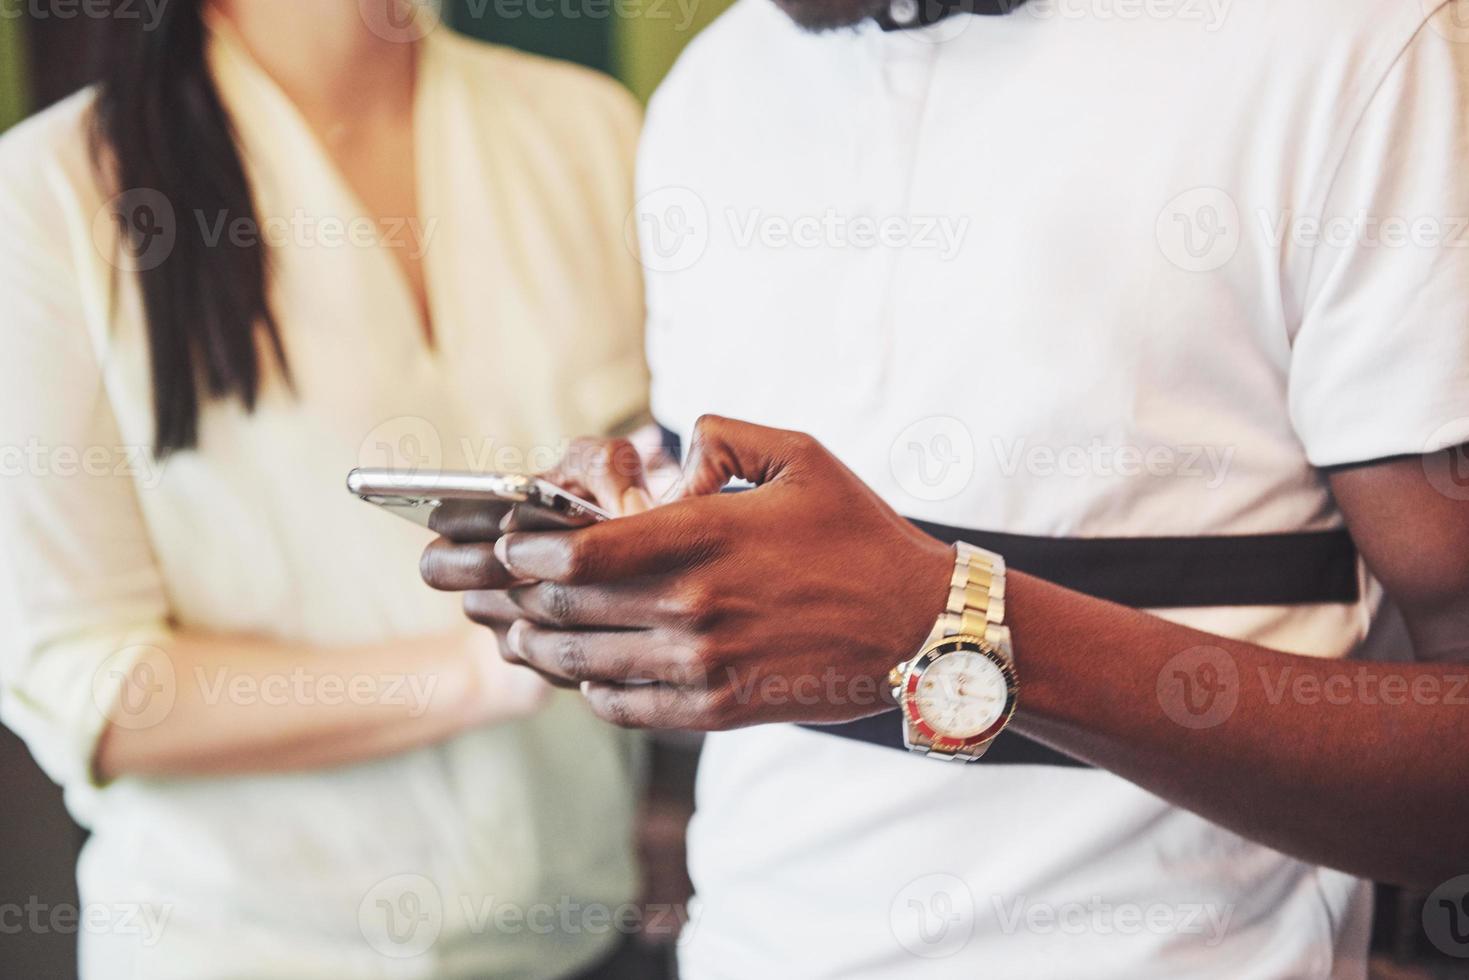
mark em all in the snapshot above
pixel 415 496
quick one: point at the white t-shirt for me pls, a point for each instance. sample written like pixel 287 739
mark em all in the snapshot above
pixel 1086 270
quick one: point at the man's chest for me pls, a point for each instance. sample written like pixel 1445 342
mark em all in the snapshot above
pixel 1065 254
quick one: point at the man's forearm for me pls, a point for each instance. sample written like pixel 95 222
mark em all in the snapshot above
pixel 1349 764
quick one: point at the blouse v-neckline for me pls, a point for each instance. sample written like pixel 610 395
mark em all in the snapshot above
pixel 241 69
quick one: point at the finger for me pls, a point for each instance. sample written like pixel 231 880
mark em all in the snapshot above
pixel 610 470
pixel 492 608
pixel 616 656
pixel 495 611
pixel 658 706
pixel 452 567
pixel 644 544
pixel 588 606
pixel 468 520
pixel 724 449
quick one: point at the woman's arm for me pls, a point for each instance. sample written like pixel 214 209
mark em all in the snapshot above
pixel 212 705
pixel 92 675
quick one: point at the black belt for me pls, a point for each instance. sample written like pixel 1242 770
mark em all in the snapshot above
pixel 1145 573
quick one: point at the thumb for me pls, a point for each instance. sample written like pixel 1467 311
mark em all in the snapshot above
pixel 725 449
pixel 610 471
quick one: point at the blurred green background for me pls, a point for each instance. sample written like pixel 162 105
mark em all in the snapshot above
pixel 44 58
pixel 14 68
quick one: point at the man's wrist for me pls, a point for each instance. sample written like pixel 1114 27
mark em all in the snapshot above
pixel 927 576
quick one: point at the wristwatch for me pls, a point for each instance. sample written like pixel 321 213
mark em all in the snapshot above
pixel 958 693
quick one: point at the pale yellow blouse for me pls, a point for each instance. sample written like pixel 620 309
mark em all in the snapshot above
pixel 403 866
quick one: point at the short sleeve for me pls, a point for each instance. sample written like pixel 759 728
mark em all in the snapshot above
pixel 1380 361
pixel 81 598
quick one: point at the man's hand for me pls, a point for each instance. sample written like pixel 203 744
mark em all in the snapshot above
pixel 788 602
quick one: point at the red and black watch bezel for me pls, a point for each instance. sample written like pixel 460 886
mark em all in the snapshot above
pixel 943 647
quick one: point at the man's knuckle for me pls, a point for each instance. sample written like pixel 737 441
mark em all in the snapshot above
pixel 698 539
pixel 709 421
pixel 719 709
pixel 569 654
pixel 557 602
pixel 613 706
pixel 700 607
pixel 801 443
pixel 709 655
pixel 586 558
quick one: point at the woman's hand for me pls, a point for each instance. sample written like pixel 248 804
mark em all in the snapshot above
pixel 608 472
pixel 498 691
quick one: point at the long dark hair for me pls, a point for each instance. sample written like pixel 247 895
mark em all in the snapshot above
pixel 160 130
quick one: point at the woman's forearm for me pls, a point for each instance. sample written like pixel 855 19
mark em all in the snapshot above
pixel 251 706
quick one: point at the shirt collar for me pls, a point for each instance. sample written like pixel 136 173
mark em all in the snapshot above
pixel 902 15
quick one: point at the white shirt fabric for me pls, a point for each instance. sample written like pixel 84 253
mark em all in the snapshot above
pixel 411 866
pixel 1025 274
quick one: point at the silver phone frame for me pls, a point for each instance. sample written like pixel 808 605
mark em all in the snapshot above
pixel 415 495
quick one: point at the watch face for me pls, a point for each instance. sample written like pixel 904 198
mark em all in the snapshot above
pixel 961 694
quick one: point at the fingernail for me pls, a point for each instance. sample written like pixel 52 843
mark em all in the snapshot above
pixel 502 549
pixel 513 634
pixel 636 500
